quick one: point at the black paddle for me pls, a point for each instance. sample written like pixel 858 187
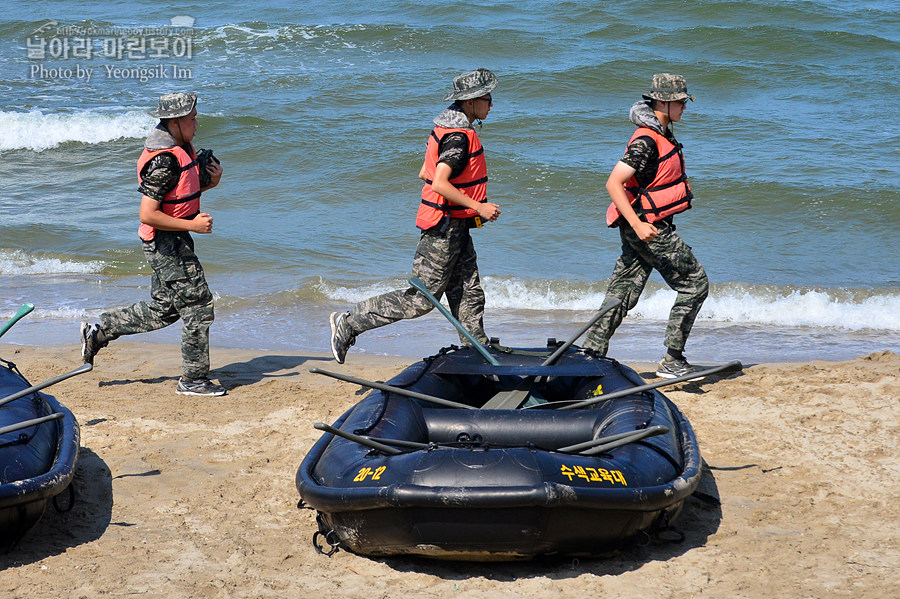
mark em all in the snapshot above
pixel 398 390
pixel 612 441
pixel 734 366
pixel 357 438
pixel 32 422
pixel 80 370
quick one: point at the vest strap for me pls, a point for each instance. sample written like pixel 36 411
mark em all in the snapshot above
pixel 189 165
pixel 193 196
pixel 462 185
pixel 448 206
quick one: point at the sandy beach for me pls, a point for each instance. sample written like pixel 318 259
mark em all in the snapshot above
pixel 193 497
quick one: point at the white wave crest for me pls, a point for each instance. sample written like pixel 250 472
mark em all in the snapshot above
pixel 353 295
pixel 19 263
pixel 806 308
pixel 852 310
pixel 741 304
pixel 63 313
pixel 37 131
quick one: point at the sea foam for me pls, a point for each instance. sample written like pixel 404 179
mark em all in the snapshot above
pixel 38 131
pixel 854 310
pixel 17 262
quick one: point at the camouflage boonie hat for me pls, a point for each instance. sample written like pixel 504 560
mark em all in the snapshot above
pixel 472 84
pixel 172 106
pixel 668 88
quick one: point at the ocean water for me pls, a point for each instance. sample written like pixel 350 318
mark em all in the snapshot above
pixel 319 112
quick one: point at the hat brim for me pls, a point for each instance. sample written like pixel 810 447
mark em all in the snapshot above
pixel 474 92
pixel 662 97
pixel 156 114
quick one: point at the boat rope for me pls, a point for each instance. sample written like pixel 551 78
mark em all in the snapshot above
pixel 11 366
pixel 70 504
pixel 329 538
pixel 662 530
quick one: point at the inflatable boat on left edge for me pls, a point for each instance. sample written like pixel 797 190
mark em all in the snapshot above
pixel 39 441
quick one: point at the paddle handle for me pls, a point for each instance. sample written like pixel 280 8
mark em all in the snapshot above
pixel 729 367
pixel 80 370
pixel 23 310
pixel 608 305
pixel 391 389
pixel 420 286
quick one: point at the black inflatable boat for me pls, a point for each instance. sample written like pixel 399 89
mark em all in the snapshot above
pixel 586 459
pixel 39 441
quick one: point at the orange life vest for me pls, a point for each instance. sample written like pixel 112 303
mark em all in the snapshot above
pixel 669 193
pixel 472 181
pixel 184 200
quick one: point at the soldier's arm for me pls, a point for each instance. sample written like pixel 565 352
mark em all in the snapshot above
pixel 452 159
pixel 615 185
pixel 160 176
pixel 151 214
pixel 442 186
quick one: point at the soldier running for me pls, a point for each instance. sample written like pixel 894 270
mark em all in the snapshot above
pixel 171 179
pixel 454 200
pixel 648 186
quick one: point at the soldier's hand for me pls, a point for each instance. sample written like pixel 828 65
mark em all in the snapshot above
pixel 215 173
pixel 202 223
pixel 488 211
pixel 645 231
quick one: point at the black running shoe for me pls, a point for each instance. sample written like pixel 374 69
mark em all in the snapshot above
pixel 341 336
pixel 203 387
pixel 672 368
pixel 93 339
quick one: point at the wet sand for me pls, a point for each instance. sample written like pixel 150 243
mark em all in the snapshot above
pixel 195 497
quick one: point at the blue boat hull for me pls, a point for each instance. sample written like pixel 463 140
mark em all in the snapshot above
pixel 37 463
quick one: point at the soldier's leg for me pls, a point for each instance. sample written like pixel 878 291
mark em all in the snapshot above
pixel 626 283
pixel 683 273
pixel 194 303
pixel 141 317
pixel 464 293
pixel 433 264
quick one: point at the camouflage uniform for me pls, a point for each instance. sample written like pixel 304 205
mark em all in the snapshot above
pixel 681 270
pixel 178 289
pixel 446 262
pixel 667 253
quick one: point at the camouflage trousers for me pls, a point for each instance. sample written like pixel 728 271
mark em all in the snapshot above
pixel 681 270
pixel 446 263
pixel 178 289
